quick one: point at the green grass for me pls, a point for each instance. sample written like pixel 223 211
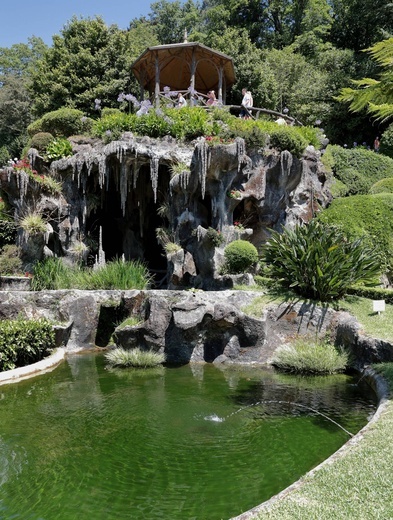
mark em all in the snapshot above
pixel 373 324
pixel 308 356
pixel 120 357
pixel 52 273
pixel 356 485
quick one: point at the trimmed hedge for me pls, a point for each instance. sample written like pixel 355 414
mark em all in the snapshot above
pixel 367 216
pixel 386 147
pixel 357 168
pixel 23 342
pixel 383 186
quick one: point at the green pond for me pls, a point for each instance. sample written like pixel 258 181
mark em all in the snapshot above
pixel 194 442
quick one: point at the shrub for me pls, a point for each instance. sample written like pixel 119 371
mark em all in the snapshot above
pixel 338 188
pixel 386 147
pixel 239 255
pixel 111 126
pixel 318 261
pixel 383 186
pixel 135 357
pixel 214 236
pixel 5 156
pixel 10 262
pixel 62 123
pixel 8 231
pixel 286 138
pixel 23 342
pixel 58 148
pixel 41 140
pixel 368 217
pixel 306 356
pixel 354 181
pixel 358 168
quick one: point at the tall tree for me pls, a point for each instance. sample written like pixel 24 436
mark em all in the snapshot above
pixel 19 59
pixel 88 61
pixel 358 24
pixel 172 19
pixel 16 65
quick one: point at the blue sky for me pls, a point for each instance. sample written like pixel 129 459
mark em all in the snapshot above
pixel 21 19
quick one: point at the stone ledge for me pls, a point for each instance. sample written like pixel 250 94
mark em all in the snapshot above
pixel 21 373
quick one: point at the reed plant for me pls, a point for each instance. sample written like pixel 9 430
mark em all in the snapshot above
pixel 137 358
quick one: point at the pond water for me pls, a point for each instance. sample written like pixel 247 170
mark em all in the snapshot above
pixel 195 442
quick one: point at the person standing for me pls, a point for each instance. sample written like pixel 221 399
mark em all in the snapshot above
pixel 377 144
pixel 247 103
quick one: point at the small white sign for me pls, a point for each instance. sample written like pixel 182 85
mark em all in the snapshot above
pixel 378 305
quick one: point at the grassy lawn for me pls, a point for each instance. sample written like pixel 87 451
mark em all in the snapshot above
pixel 358 485
pixel 374 324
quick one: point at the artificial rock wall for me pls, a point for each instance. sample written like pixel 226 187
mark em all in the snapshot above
pixel 115 197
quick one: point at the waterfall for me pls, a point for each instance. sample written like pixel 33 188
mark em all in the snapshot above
pixel 184 179
pixel 22 181
pixel 286 162
pixel 240 151
pixel 123 185
pixel 154 162
pixel 203 160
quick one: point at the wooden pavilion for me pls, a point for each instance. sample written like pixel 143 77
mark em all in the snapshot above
pixel 189 67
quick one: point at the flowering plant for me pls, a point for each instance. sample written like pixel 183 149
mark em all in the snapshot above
pixel 49 183
pixel 234 194
pixel 213 140
pixel 238 225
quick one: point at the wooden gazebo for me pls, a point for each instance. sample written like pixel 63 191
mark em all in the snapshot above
pixel 188 67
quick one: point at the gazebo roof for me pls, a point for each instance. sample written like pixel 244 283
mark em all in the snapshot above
pixel 175 62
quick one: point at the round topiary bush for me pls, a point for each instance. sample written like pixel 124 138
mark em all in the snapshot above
pixel 41 140
pixel 240 255
pixel 62 122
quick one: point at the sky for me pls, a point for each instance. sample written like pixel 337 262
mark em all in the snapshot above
pixel 24 18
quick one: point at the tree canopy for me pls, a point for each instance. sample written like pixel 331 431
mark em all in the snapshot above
pixel 295 54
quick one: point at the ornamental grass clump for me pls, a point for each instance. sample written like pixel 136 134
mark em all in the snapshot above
pixel 306 356
pixel 52 273
pixel 319 262
pixel 137 358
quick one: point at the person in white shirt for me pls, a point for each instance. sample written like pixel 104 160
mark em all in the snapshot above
pixel 247 102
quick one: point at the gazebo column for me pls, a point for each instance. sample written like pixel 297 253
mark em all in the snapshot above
pixel 220 81
pixel 193 70
pixel 157 86
pixel 141 85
